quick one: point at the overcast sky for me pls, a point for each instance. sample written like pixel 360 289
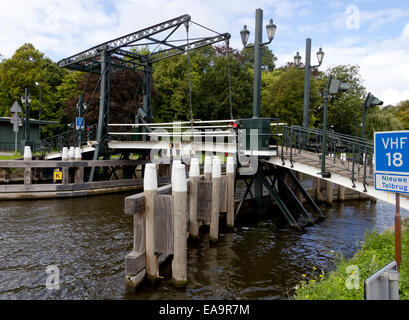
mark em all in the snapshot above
pixel 373 34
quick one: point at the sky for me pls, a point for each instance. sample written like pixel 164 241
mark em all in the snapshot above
pixel 373 34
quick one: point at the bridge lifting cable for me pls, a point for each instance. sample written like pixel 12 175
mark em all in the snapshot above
pixel 229 77
pixel 189 76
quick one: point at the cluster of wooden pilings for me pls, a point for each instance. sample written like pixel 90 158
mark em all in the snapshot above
pixel 164 218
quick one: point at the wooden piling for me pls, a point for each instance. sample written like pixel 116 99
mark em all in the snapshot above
pixel 329 191
pixel 318 194
pixel 341 193
pixel 194 174
pixel 179 191
pixel 150 185
pixel 78 172
pixel 175 162
pixel 298 192
pixel 214 219
pixel 230 192
pixel 28 172
pixel 207 171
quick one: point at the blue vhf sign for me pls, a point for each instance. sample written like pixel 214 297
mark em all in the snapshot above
pixel 392 161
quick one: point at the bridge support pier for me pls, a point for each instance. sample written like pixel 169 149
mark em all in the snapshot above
pixel 329 192
pixel 341 193
pixel 318 193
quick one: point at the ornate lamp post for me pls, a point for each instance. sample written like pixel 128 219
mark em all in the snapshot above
pixel 258 44
pixel 26 100
pixel 307 67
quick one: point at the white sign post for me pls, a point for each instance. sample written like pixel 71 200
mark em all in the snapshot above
pixel 392 172
pixel 15 120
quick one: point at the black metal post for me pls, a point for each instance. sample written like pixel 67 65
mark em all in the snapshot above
pixel 307 83
pixel 363 120
pixel 27 116
pixel 324 128
pixel 103 118
pixel 39 116
pixel 257 63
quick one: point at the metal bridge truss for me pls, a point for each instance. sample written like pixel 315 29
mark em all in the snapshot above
pixel 120 54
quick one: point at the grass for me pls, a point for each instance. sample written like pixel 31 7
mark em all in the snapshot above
pixel 12 157
pixel 377 251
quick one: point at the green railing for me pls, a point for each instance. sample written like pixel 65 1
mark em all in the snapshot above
pixel 354 153
pixel 72 138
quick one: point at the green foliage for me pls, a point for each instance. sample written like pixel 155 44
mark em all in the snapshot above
pixel 401 112
pixel 378 119
pixel 267 58
pixel 283 95
pixel 210 90
pixel 345 108
pixel 377 251
pixel 26 67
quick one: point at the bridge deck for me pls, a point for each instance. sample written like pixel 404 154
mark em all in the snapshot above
pixel 310 163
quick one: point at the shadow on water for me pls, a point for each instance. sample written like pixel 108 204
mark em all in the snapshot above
pixel 88 238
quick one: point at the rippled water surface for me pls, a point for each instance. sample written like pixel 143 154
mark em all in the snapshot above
pixel 88 238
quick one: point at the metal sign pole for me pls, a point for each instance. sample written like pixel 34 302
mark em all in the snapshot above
pixel 398 243
pixel 15 142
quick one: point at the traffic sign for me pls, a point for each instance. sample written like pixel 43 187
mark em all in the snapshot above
pixel 15 107
pixel 57 175
pixel 392 161
pixel 16 121
pixel 79 123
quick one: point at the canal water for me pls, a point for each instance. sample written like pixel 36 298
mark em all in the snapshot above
pixel 88 238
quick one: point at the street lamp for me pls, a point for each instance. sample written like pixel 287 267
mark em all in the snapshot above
pixel 370 101
pixel 333 87
pixel 258 44
pixel 39 116
pixel 307 78
pixel 26 100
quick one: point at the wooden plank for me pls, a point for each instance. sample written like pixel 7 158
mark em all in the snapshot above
pixel 223 194
pixel 204 205
pixel 136 204
pixel 164 224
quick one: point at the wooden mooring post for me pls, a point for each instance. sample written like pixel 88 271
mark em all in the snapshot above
pixel 207 170
pixel 230 192
pixel 194 174
pixel 28 172
pixel 162 220
pixel 179 191
pixel 216 181
pixel 150 186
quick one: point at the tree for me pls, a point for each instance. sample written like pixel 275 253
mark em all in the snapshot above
pixel 26 67
pixel 378 119
pixel 267 58
pixel 125 98
pixel 345 108
pixel 401 111
pixel 283 95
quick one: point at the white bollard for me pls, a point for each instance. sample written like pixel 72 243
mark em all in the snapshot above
pixel 77 153
pixel 150 189
pixel 71 153
pixel 64 155
pixel 27 153
pixel 214 218
pixel 230 191
pixel 179 191
pixel 194 174
pixel 175 162
pixel 207 172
